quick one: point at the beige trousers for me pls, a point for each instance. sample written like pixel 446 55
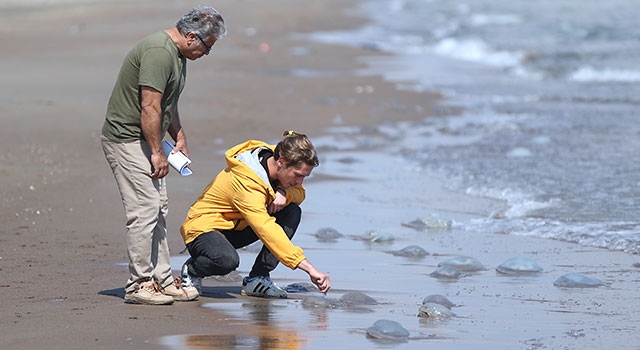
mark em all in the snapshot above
pixel 146 206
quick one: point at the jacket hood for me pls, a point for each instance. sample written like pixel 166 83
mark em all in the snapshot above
pixel 250 145
pixel 243 161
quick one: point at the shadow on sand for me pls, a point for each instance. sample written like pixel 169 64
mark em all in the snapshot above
pixel 222 292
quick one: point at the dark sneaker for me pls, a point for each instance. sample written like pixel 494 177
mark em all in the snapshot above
pixel 149 293
pixel 190 281
pixel 261 287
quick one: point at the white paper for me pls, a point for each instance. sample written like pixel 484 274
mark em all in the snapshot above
pixel 178 160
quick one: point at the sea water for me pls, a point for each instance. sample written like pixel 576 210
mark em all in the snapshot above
pixel 550 123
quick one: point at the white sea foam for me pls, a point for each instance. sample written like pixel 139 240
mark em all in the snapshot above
pixel 591 74
pixel 483 19
pixel 478 51
pixel 519 152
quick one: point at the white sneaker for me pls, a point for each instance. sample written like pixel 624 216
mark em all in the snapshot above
pixel 190 281
pixel 261 287
pixel 180 291
pixel 150 293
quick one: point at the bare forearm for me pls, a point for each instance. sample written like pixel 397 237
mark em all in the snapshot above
pixel 175 128
pixel 150 123
pixel 151 118
pixel 319 278
pixel 177 133
pixel 305 266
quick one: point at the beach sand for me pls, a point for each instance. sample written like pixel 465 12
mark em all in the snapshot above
pixel 62 252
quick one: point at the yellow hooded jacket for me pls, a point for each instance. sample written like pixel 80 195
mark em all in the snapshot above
pixel 238 197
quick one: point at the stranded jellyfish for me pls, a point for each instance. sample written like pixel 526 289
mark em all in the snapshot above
pixel 430 223
pixel 328 234
pixel 358 298
pixel 412 251
pixel 574 280
pixel 433 310
pixel 464 263
pixel 519 266
pixel 387 329
pixel 374 237
pixel 446 272
pixel 300 288
pixel 316 302
pixel 438 299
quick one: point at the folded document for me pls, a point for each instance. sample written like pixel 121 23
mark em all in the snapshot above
pixel 178 160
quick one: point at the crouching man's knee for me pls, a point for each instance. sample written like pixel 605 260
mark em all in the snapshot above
pixel 228 264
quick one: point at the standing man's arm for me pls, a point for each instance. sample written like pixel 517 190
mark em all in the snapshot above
pixel 151 121
pixel 177 133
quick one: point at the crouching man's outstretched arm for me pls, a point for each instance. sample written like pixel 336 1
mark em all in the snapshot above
pixel 319 278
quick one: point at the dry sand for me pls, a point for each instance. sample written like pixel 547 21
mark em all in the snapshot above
pixel 62 250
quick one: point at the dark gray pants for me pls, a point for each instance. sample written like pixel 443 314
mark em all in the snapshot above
pixel 214 253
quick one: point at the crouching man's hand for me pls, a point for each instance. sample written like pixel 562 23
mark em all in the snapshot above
pixel 319 278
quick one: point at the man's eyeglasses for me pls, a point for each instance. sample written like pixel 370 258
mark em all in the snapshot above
pixel 207 47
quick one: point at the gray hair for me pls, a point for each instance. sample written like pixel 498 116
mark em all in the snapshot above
pixel 204 21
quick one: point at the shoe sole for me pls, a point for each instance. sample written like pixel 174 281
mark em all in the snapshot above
pixel 184 297
pixel 245 293
pixel 139 301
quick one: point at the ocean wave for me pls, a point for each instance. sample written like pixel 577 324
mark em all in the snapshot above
pixel 590 74
pixel 478 51
pixel 611 236
pixel 485 19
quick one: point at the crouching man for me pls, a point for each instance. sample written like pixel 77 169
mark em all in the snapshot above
pixel 256 197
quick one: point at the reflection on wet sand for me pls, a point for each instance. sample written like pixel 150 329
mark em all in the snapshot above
pixel 263 331
pixel 282 339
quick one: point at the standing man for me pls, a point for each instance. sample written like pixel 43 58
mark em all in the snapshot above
pixel 256 197
pixel 142 108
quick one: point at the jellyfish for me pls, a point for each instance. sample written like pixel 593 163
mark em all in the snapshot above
pixel 328 234
pixel 438 299
pixel 387 329
pixel 519 266
pixel 412 251
pixel 433 310
pixel 464 263
pixel 573 280
pixel 446 272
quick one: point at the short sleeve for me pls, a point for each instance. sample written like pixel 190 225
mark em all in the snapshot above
pixel 155 68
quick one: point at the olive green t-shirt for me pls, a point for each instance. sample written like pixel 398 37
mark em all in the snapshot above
pixel 154 62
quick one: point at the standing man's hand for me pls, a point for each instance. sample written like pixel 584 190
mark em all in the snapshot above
pixel 181 146
pixel 160 165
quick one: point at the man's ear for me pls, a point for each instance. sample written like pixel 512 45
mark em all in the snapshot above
pixel 191 38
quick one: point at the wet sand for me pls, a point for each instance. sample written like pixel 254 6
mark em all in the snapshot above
pixel 62 250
